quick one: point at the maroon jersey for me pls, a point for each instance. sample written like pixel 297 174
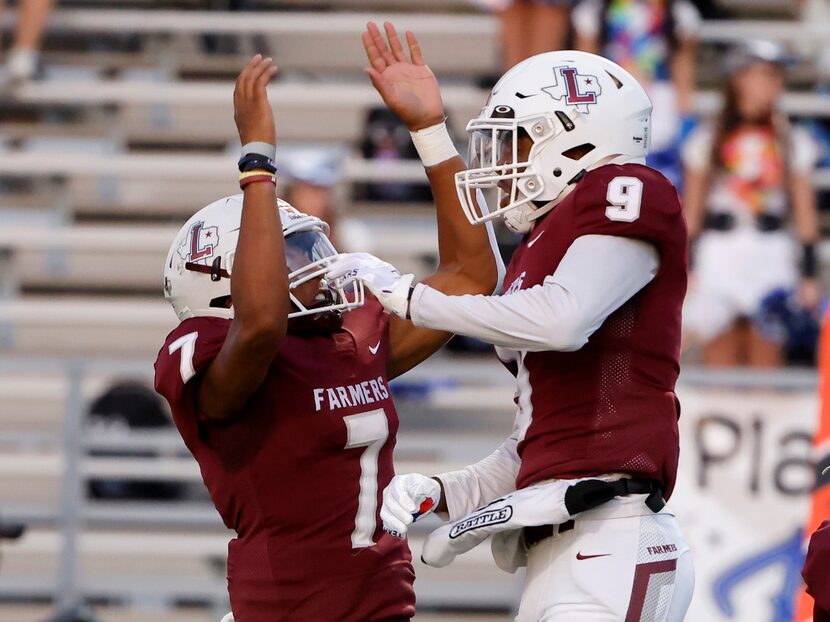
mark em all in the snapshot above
pixel 300 472
pixel 610 406
pixel 816 572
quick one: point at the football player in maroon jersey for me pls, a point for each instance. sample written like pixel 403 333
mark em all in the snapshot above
pixel 816 572
pixel 278 383
pixel 590 327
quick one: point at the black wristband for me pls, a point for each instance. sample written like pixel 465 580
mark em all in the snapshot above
pixel 409 302
pixel 256 161
pixel 809 263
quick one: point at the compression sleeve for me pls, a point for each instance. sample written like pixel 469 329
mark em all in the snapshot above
pixel 559 314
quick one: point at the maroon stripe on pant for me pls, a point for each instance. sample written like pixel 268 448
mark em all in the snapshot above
pixel 642 575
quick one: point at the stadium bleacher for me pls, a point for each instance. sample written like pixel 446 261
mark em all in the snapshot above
pixel 92 192
pixel 101 176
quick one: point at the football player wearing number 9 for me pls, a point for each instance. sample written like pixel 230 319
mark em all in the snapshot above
pixel 278 383
pixel 590 327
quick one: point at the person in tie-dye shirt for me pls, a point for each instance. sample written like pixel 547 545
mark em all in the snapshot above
pixel 656 40
pixel 748 199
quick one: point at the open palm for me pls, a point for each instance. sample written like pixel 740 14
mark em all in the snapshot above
pixel 407 85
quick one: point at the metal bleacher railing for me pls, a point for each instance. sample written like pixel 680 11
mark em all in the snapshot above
pixel 169 111
pixel 117 182
pixel 315 22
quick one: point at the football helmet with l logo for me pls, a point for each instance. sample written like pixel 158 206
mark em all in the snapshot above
pixel 200 262
pixel 548 120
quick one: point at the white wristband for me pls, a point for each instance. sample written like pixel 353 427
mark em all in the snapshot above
pixel 434 144
pixel 260 148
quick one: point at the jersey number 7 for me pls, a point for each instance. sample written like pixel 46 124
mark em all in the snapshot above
pixel 187 344
pixel 369 430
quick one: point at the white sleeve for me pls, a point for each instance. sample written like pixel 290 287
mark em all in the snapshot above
pixel 585 18
pixel 494 244
pixel 562 312
pixel 478 484
pixel 804 152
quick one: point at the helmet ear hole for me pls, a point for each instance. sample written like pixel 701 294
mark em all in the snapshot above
pixel 557 172
pixel 221 302
pixel 579 152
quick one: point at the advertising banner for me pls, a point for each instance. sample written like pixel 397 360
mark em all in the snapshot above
pixel 743 495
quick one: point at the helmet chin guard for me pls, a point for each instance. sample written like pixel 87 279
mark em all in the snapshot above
pixel 549 119
pixel 519 219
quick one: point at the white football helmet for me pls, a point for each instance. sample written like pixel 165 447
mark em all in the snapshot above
pixel 580 111
pixel 200 261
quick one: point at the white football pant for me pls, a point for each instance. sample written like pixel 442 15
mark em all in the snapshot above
pixel 620 563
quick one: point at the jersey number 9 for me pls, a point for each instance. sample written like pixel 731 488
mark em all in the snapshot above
pixel 625 194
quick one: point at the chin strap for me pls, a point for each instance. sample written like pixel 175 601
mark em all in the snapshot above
pixel 518 219
pixel 215 270
pixel 578 177
pixel 521 219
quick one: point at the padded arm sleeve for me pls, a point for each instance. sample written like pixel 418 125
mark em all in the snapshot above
pixel 480 483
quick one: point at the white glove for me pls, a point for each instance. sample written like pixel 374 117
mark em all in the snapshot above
pixel 389 286
pixel 406 499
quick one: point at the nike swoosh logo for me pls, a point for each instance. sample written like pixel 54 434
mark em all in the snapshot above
pixel 580 556
pixel 375 349
pixel 533 241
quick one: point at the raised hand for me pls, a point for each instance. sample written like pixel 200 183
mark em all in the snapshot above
pixel 407 86
pixel 251 109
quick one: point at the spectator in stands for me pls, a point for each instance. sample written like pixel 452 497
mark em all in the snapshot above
pixel 311 176
pixel 656 40
pixel 818 12
pixel 748 177
pixel 529 27
pixel 23 61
